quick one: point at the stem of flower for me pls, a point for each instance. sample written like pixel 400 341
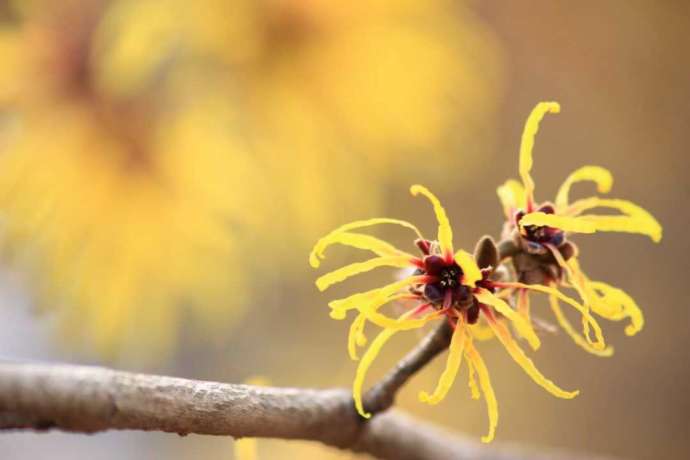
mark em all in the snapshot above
pixel 382 395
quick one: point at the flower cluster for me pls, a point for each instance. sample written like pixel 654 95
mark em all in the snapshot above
pixel 470 293
pixel 544 255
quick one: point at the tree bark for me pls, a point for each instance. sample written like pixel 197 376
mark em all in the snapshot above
pixel 93 399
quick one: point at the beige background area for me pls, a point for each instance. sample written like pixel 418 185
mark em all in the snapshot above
pixel 621 72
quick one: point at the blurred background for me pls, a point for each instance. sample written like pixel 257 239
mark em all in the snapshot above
pixel 166 165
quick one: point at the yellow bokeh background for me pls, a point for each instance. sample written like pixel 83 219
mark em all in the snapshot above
pixel 166 165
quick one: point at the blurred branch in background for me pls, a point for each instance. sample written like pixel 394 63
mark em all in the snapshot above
pixel 92 399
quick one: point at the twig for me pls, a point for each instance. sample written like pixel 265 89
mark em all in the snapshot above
pixel 382 395
pixel 92 399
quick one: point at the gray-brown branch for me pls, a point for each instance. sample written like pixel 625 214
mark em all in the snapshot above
pixel 92 399
pixel 382 395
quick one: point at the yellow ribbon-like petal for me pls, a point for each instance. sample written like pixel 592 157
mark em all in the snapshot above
pixel 470 269
pixel 340 307
pixel 471 378
pixel 523 361
pixel 565 223
pixel 523 305
pixel 578 281
pixel 512 197
pixel 602 177
pixel 481 332
pixel 455 352
pixel 524 328
pixel 356 337
pixel 368 357
pixel 599 342
pixel 488 390
pixel 616 300
pixel 370 311
pixel 445 233
pixel 332 238
pixel 635 219
pixel 527 143
pixel 360 241
pixel 336 276
pixel 577 338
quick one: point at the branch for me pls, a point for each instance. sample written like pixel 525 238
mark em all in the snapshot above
pixel 382 395
pixel 92 399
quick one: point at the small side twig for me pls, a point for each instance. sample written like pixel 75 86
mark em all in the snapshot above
pixel 382 395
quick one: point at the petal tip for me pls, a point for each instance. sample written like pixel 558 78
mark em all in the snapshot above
pixel 416 189
pixel 314 260
pixel 571 394
pixel 337 314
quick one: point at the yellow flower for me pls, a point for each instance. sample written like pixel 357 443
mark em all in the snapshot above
pixel 331 94
pixel 543 253
pixel 145 143
pixel 447 285
pixel 123 211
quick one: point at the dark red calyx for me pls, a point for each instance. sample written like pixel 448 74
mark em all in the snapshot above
pixel 541 234
pixel 473 313
pixel 447 276
pixel 423 245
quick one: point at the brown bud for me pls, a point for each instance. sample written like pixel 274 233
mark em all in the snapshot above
pixel 486 253
pixel 568 250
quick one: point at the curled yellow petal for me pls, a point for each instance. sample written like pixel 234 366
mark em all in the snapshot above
pixel 361 241
pixel 471 379
pixel 524 328
pixel 481 332
pixel 470 269
pixel 455 352
pixel 336 276
pixel 578 281
pixel 635 219
pixel 612 299
pixel 599 342
pixel 523 304
pixel 340 307
pixel 577 338
pixel 369 310
pixel 527 143
pixel 333 238
pixel 368 357
pixel 512 197
pixel 600 176
pixel 356 337
pixel 523 361
pixel 445 233
pixel 565 223
pixel 488 390
pixel 370 307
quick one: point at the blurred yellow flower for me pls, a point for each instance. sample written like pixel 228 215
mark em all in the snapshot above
pixel 544 254
pixel 331 94
pixel 123 208
pixel 145 144
pixel 446 286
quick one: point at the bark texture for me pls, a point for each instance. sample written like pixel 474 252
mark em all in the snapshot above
pixel 92 399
